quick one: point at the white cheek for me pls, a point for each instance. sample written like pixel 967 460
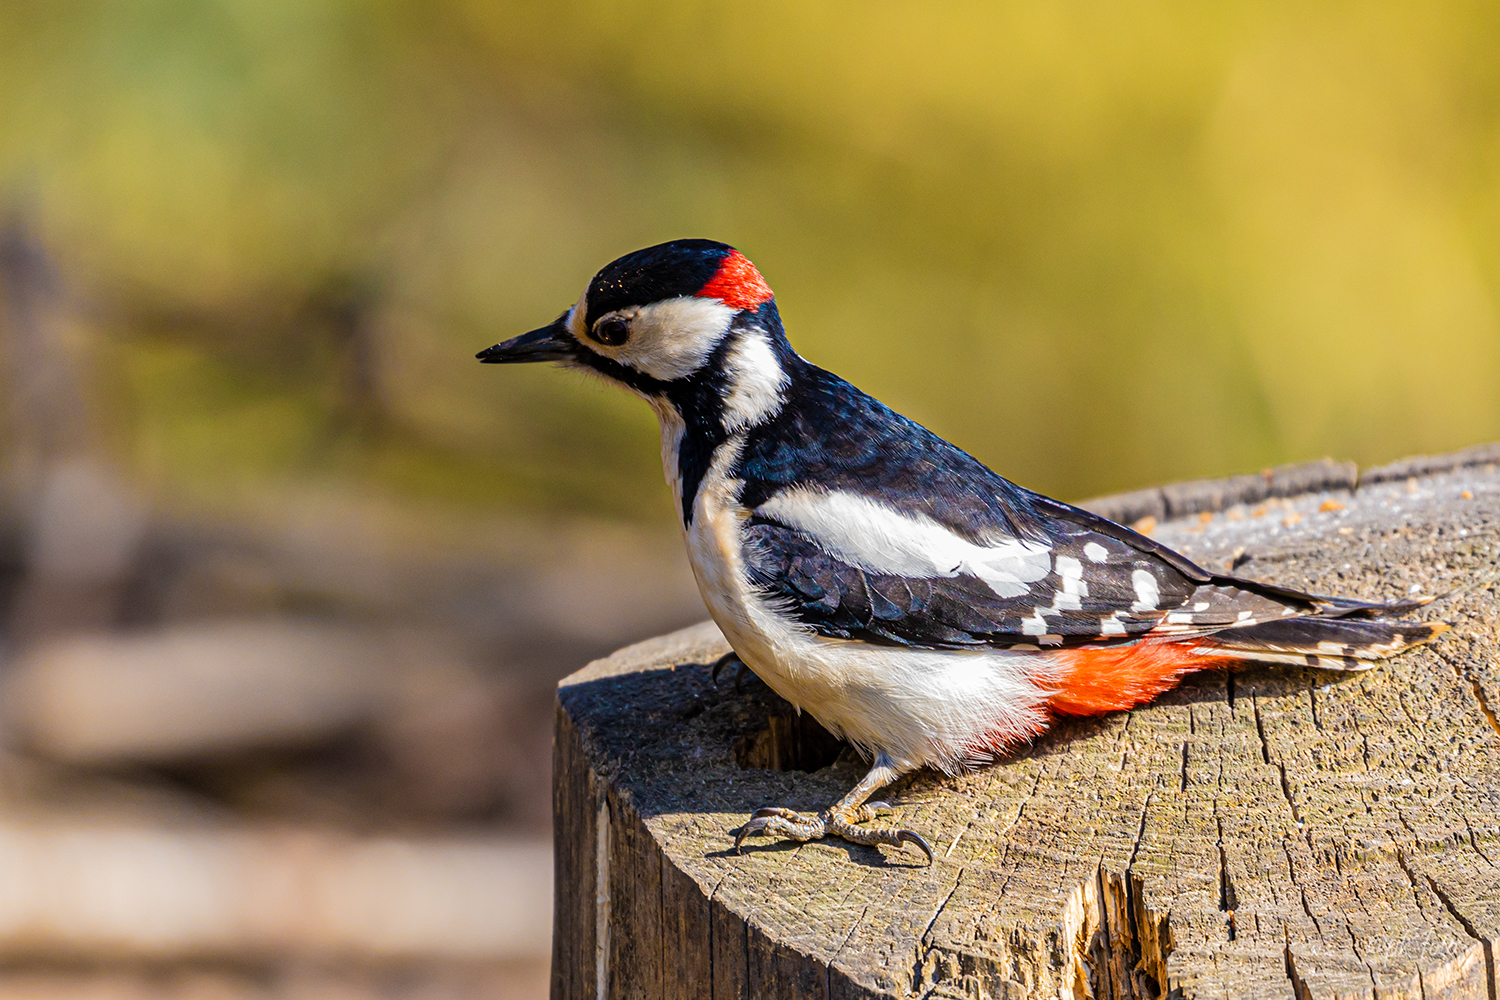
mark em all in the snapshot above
pixel 672 339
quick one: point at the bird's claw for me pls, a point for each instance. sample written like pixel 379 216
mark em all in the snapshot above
pixel 912 837
pixel 724 661
pixel 767 811
pixel 788 823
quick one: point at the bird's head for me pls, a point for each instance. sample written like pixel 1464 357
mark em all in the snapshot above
pixel 689 319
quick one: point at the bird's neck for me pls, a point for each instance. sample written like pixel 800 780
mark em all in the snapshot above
pixel 745 384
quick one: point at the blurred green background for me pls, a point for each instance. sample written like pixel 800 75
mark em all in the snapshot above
pixel 1098 246
pixel 279 559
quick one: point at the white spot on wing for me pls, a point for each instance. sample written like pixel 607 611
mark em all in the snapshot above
pixel 1071 572
pixel 1111 626
pixel 755 381
pixel 879 539
pixel 1033 626
pixel 1095 552
pixel 1147 595
pixel 1065 601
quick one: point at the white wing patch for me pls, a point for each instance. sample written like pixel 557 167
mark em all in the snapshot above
pixel 755 381
pixel 1095 552
pixel 1073 585
pixel 1147 593
pixel 878 539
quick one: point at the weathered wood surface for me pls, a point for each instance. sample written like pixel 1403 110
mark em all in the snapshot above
pixel 1273 833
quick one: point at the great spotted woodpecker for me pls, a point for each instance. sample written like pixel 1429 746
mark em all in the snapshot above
pixel 922 607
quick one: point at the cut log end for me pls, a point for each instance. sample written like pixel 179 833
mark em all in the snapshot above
pixel 1275 832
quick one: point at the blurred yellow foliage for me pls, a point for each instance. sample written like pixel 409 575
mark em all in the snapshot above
pixel 1098 245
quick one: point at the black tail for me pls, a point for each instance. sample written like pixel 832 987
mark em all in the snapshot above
pixel 1350 640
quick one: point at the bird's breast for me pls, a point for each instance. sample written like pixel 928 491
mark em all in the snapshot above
pixel 713 538
pixel 672 430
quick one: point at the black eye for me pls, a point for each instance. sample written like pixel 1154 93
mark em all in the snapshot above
pixel 612 331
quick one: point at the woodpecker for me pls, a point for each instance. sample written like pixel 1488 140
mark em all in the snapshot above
pixel 919 605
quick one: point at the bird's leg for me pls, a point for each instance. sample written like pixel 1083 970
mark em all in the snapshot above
pixel 838 821
pixel 730 658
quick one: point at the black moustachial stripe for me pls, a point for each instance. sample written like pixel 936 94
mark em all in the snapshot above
pixel 699 397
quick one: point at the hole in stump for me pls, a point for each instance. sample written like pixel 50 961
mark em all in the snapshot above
pixel 790 742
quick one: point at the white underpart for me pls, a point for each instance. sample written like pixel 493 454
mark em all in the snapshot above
pixel 867 534
pixel 672 430
pixel 668 340
pixel 1096 552
pixel 1147 595
pixel 755 380
pixel 921 707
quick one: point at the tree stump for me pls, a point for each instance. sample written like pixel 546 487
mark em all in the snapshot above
pixel 1268 833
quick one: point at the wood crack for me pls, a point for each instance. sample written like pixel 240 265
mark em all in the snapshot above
pixel 1299 986
pixel 924 943
pixel 1484 705
pixel 1140 831
pixel 1260 730
pixel 1474 841
pixel 1370 969
pixel 1475 687
pixel 1228 901
pixel 1291 872
pixel 1469 929
pixel 1286 791
pixel 1416 894
pixel 828 968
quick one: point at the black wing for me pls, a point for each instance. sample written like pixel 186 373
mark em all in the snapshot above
pixel 831 436
pixel 842 601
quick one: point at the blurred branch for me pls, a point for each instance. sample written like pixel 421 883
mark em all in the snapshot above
pixel 81 525
pixel 46 413
pixel 136 891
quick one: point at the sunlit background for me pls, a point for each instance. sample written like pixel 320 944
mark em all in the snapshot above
pixel 287 576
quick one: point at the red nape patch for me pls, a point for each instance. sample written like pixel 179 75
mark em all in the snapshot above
pixel 1112 678
pixel 737 284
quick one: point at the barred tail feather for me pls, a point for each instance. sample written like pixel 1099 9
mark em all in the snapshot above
pixel 1349 643
pixel 1094 680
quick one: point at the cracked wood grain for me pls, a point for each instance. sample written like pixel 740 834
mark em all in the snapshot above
pixel 1268 833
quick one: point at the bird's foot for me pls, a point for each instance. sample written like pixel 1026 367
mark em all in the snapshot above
pixel 774 821
pixel 730 659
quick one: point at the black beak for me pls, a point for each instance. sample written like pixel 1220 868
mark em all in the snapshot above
pixel 550 343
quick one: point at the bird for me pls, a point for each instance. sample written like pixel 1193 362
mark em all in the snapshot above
pixel 919 605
